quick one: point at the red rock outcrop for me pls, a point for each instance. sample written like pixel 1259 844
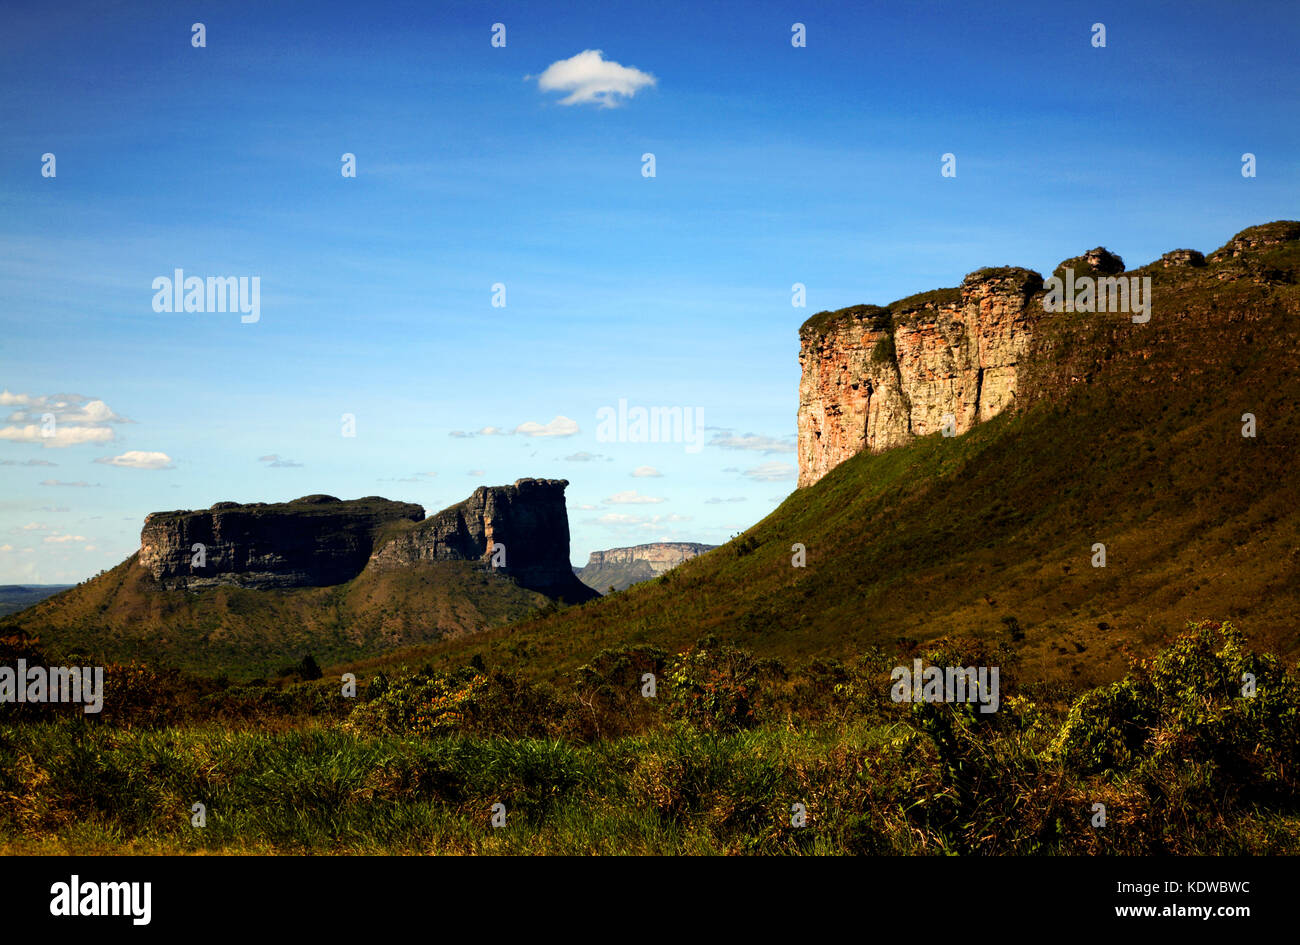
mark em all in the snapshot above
pixel 873 378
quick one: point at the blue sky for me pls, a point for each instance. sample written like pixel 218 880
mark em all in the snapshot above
pixel 774 165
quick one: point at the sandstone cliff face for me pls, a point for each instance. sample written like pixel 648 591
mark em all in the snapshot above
pixel 620 568
pixel 528 518
pixel 873 378
pixel 309 542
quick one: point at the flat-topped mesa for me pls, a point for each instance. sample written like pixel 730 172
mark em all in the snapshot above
pixel 310 542
pixel 660 556
pixel 528 518
pixel 874 378
pixel 620 568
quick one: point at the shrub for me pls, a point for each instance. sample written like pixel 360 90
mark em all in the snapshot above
pixel 1189 704
pixel 714 686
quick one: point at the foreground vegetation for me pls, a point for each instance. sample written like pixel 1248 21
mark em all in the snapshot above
pixel 714 763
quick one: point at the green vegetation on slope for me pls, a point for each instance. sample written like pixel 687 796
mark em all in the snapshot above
pixel 125 615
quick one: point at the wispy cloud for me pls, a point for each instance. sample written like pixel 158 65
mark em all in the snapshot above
pixel 770 472
pixel 275 461
pixel 560 426
pixel 632 497
pixel 753 442
pixel 646 472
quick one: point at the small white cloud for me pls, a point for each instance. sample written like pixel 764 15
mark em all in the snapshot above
pixel 632 497
pixel 274 461
pixel 90 548
pixel 475 472
pixel 27 462
pixel 138 459
pixel 639 521
pixel 717 501
pixel 583 457
pixel 590 78
pixel 80 484
pixel 646 472
pixel 6 547
pixel 63 539
pixel 560 426
pixel 770 472
pixel 753 442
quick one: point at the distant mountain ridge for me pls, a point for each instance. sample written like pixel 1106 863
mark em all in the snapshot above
pixel 16 597
pixel 620 568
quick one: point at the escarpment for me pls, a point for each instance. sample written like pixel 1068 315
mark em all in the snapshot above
pixel 309 542
pixel 874 378
pixel 620 568
pixel 320 540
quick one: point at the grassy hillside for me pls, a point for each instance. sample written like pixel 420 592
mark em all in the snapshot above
pixel 1130 437
pixel 124 615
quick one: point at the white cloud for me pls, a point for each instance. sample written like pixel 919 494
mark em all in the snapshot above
pixel 274 461
pixel 583 457
pixel 63 539
pixel 632 497
pixel 753 442
pixel 770 472
pixel 717 501
pixel 80 484
pixel 590 78
pixel 484 431
pixel 646 472
pixel 62 435
pixel 138 459
pixel 475 472
pixel 77 420
pixel 27 462
pixel 35 527
pixel 560 426
pixel 6 547
pixel 639 521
